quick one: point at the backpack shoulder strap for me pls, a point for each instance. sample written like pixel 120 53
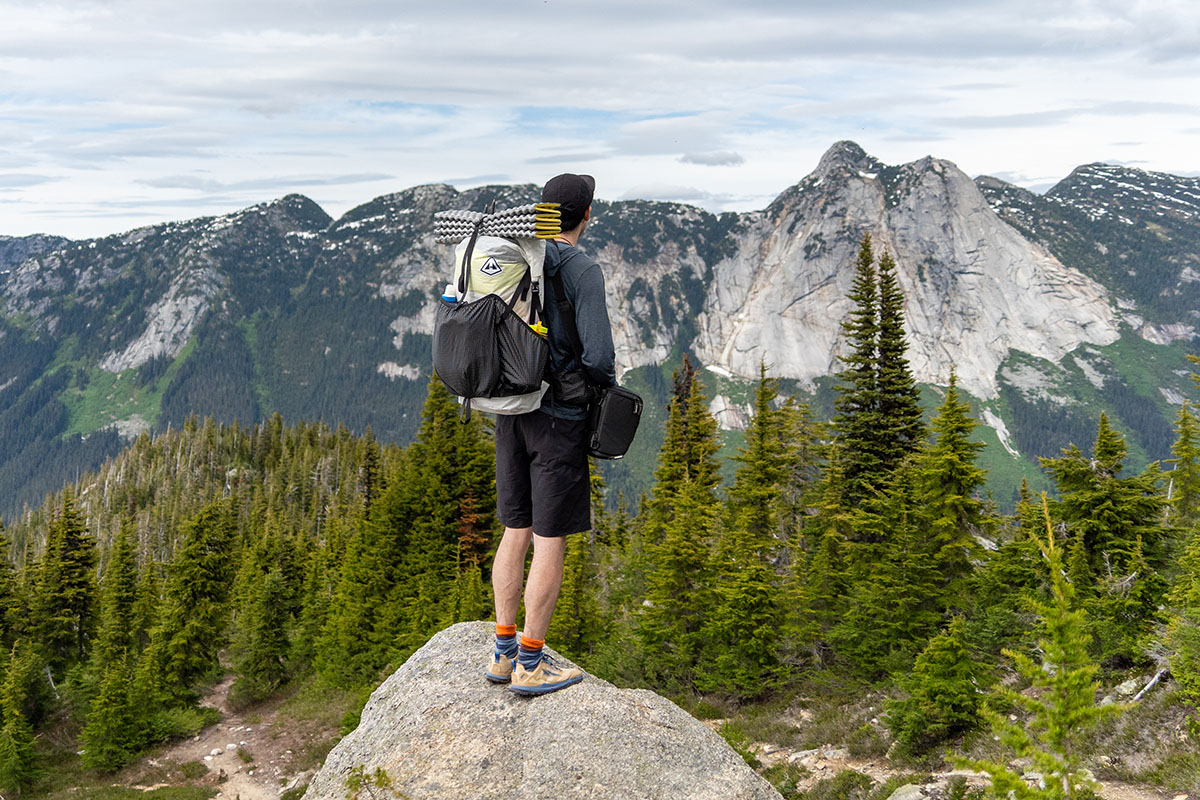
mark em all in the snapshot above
pixel 567 314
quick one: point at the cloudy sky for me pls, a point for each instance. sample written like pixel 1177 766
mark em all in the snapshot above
pixel 119 113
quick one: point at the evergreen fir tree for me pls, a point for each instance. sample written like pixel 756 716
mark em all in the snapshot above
pixel 65 600
pixel 1185 477
pixel 369 477
pixel 118 595
pixel 826 579
pixel 1125 610
pixel 669 621
pixel 1183 636
pixel 110 735
pixel 145 606
pixel 314 608
pixel 893 605
pixel 191 629
pixel 262 666
pixel 878 420
pixel 1119 524
pixel 1108 511
pixel 942 693
pixel 680 521
pixel 1079 568
pixel 12 623
pixel 741 629
pixel 469 599
pixel 575 626
pixel 1009 576
pixel 857 421
pixel 755 497
pixel 18 761
pixel 949 482
pixel 899 400
pixel 1063 708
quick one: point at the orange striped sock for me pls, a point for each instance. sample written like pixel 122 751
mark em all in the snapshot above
pixel 506 640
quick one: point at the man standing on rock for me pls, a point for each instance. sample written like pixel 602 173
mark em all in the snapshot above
pixel 542 479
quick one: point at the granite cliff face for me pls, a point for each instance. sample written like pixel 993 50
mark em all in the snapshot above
pixel 974 288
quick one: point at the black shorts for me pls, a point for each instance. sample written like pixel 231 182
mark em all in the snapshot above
pixel 542 476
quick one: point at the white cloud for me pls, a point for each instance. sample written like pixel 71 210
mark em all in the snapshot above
pixel 716 158
pixel 139 109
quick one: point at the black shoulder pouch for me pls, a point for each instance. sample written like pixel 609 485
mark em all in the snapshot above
pixel 613 422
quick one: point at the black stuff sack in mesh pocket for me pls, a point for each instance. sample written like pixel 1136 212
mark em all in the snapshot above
pixel 483 349
pixel 614 422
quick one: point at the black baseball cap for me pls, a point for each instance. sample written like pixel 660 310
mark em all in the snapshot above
pixel 573 193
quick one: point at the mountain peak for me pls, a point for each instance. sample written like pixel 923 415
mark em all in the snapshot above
pixel 846 157
pixel 1128 194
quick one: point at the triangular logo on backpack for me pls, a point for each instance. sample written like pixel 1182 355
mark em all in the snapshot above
pixel 491 267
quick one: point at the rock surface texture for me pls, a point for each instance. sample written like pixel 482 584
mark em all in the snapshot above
pixel 440 730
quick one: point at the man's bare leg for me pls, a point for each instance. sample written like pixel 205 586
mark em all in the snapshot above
pixel 545 579
pixel 533 674
pixel 508 573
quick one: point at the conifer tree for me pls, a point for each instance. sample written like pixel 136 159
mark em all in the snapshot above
pixel 899 399
pixel 145 606
pixel 1185 477
pixel 755 497
pixel 1109 511
pixel 680 522
pixel 262 665
pixel 1183 637
pixel 878 420
pixel 1119 524
pixel 117 629
pixel 469 600
pixel 857 420
pixel 314 608
pixel 11 602
pixel 942 693
pixel 110 734
pixel 18 765
pixel 400 561
pixel 893 604
pixel 575 626
pixel 1010 575
pixel 369 477
pixel 949 480
pixel 742 627
pixel 1126 609
pixel 826 578
pixel 191 629
pixel 1063 708
pixel 689 449
pixel 65 600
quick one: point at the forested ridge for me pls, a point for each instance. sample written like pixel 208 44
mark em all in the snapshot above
pixel 855 550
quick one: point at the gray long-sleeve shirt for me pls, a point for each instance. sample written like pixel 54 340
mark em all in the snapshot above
pixel 583 283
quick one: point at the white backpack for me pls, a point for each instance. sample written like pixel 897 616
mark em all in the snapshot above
pixel 489 344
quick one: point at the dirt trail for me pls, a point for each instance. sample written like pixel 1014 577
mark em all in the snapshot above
pixel 220 747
